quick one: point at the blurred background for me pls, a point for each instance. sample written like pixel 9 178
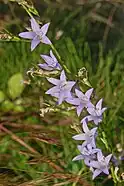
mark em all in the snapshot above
pixel 38 150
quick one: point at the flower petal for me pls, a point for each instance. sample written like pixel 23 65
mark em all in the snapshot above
pixel 79 93
pixel 61 98
pixel 27 35
pixel 79 109
pixel 89 92
pixel 53 81
pixel 73 101
pixel 100 156
pixel 79 157
pixel 99 104
pixel 44 28
pixel 95 164
pixel 96 173
pixel 79 137
pixel 107 159
pixel 52 90
pixel 106 171
pixel 34 25
pixel 45 66
pixel 62 76
pixel 34 43
pixel 53 57
pixel 85 127
pixel 46 40
pixel 47 59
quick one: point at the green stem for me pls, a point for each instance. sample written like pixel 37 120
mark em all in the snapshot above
pixel 79 173
pixel 60 60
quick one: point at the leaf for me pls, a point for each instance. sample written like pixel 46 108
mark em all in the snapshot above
pixel 15 86
pixel 2 96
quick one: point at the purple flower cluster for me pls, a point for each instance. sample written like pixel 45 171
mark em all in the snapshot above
pixel 63 90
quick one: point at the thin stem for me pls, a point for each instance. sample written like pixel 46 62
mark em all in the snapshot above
pixel 60 60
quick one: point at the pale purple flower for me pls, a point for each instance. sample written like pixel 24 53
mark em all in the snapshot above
pixel 102 165
pixel 51 62
pixel 62 88
pixel 87 154
pixel 83 100
pixel 88 136
pixel 95 113
pixel 38 34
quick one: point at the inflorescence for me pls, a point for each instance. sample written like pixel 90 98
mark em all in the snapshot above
pixel 64 90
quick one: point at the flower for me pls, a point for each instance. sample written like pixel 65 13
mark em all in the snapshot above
pixel 82 101
pixel 102 165
pixel 88 136
pixel 62 88
pixel 95 113
pixel 51 62
pixel 37 34
pixel 86 153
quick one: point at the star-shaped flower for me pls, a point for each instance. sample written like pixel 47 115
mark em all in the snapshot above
pixel 51 62
pixel 62 88
pixel 102 165
pixel 95 113
pixel 37 34
pixel 88 136
pixel 87 154
pixel 83 100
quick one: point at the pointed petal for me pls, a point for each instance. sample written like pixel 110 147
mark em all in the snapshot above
pixel 47 59
pixel 79 147
pixel 79 93
pixel 91 111
pixel 103 110
pixel 79 137
pixel 53 57
pixel 85 127
pixel 52 90
pixel 45 66
pixel 107 159
pixel 69 85
pixel 89 118
pixel 61 98
pixel 62 76
pixel 46 40
pixel 53 81
pixel 27 35
pixel 79 109
pixel 99 104
pixel 44 28
pixel 79 157
pixel 100 156
pixel 34 25
pixel 106 171
pixel 97 120
pixel 96 173
pixel 73 101
pixel 34 43
pixel 93 131
pixel 89 92
pixel 95 164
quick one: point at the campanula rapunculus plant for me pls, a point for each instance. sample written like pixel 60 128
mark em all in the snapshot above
pixel 62 91
pixel 51 62
pixel 81 101
pixel 62 88
pixel 37 35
